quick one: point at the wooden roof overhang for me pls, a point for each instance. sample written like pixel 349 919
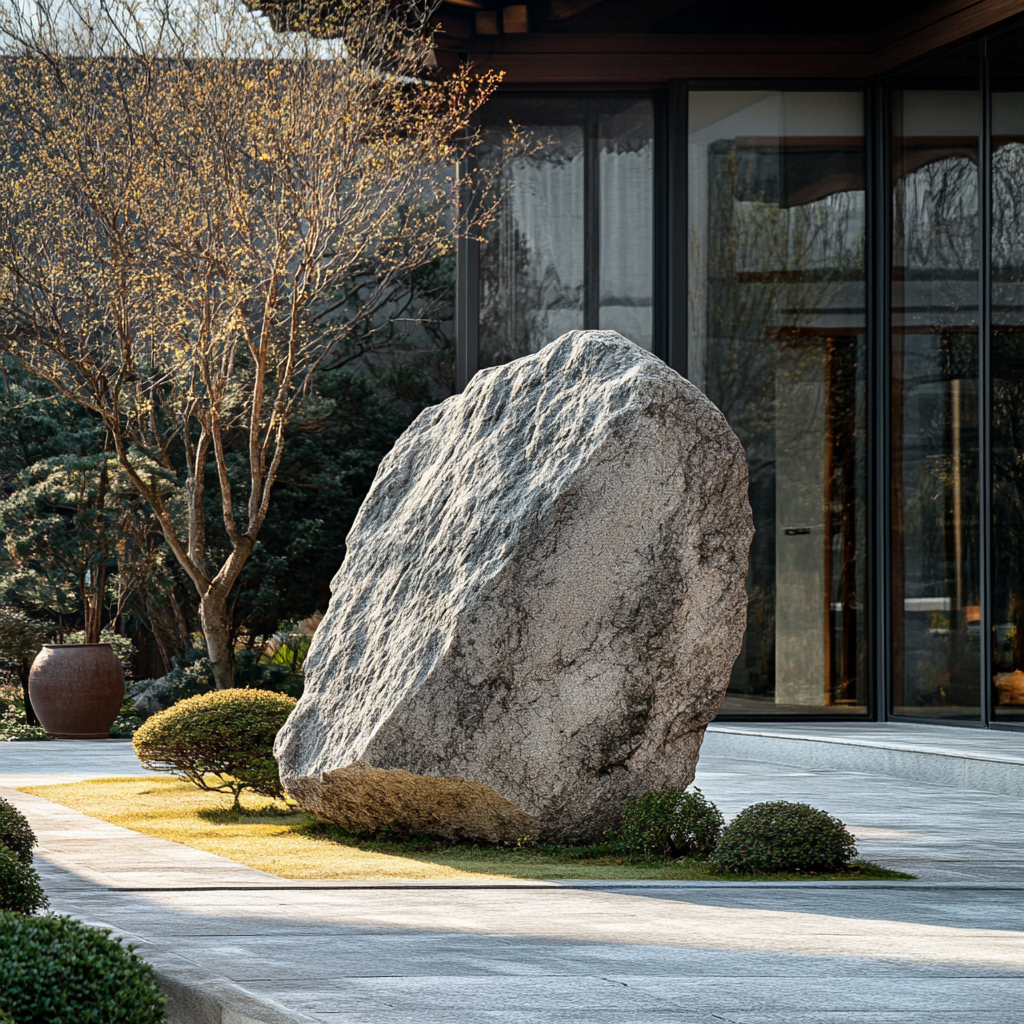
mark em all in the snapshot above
pixel 589 43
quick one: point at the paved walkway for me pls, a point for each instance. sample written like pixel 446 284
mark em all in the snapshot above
pixel 987 744
pixel 236 944
pixel 958 758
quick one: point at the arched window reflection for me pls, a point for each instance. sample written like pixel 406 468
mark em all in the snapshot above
pixel 777 341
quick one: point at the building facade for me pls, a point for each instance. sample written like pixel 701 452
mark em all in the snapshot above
pixel 817 216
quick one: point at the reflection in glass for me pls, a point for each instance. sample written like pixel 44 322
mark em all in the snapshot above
pixel 777 341
pixel 624 169
pixel 934 456
pixel 1008 373
pixel 573 244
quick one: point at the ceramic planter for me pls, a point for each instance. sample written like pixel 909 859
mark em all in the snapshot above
pixel 76 690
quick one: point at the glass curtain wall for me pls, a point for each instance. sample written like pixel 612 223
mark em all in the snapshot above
pixel 573 244
pixel 776 339
pixel 1006 57
pixel 936 555
pixel 943 409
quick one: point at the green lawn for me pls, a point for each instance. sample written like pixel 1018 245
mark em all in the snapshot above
pixel 273 837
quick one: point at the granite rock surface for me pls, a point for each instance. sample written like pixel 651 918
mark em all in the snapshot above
pixel 155 697
pixel 541 602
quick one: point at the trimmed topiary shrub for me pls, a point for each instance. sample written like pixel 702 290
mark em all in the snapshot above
pixel 670 823
pixel 58 970
pixel 221 741
pixel 783 836
pixel 15 832
pixel 20 888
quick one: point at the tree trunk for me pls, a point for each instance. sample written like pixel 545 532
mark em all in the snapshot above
pixel 92 603
pixel 24 666
pixel 216 622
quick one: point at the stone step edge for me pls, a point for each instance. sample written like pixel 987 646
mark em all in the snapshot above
pixel 898 746
pixel 199 997
pixel 1005 778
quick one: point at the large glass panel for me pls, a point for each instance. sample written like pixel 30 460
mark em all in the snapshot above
pixel 1007 56
pixel 777 341
pixel 572 246
pixel 934 456
pixel 624 168
pixel 531 264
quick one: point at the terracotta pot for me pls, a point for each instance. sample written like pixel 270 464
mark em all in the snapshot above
pixel 76 690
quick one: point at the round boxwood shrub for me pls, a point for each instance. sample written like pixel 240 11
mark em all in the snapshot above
pixel 670 823
pixel 58 970
pixel 20 888
pixel 221 741
pixel 783 836
pixel 15 832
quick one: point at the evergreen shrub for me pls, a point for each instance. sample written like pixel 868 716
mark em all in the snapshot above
pixel 59 971
pixel 670 823
pixel 221 741
pixel 15 832
pixel 20 888
pixel 784 836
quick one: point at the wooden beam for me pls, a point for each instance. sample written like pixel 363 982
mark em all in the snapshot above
pixel 652 58
pixel 559 10
pixel 610 43
pixel 938 26
pixel 584 58
pixel 652 68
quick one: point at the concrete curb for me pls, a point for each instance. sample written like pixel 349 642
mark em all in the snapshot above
pixel 199 997
pixel 562 885
pixel 993 774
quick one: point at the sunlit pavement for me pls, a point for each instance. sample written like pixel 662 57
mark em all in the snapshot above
pixel 232 943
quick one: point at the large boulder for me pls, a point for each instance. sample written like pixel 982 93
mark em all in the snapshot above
pixel 541 603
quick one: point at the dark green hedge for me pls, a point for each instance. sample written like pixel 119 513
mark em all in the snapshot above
pixel 55 970
pixel 784 836
pixel 20 888
pixel 15 832
pixel 670 823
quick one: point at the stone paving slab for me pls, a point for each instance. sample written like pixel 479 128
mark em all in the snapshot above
pixel 24 763
pixel 974 759
pixel 945 740
pixel 575 955
pixel 76 850
pixel 233 945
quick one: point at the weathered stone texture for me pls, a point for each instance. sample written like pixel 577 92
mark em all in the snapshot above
pixel 541 603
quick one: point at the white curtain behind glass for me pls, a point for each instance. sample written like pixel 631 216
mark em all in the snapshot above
pixel 626 176
pixel 537 278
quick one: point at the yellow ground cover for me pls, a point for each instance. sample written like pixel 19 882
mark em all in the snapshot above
pixel 177 811
pixel 276 838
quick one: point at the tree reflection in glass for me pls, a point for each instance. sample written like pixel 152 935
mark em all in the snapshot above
pixel 936 555
pixel 1008 374
pixel 776 340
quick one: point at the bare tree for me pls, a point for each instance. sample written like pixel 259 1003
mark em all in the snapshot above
pixel 185 193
